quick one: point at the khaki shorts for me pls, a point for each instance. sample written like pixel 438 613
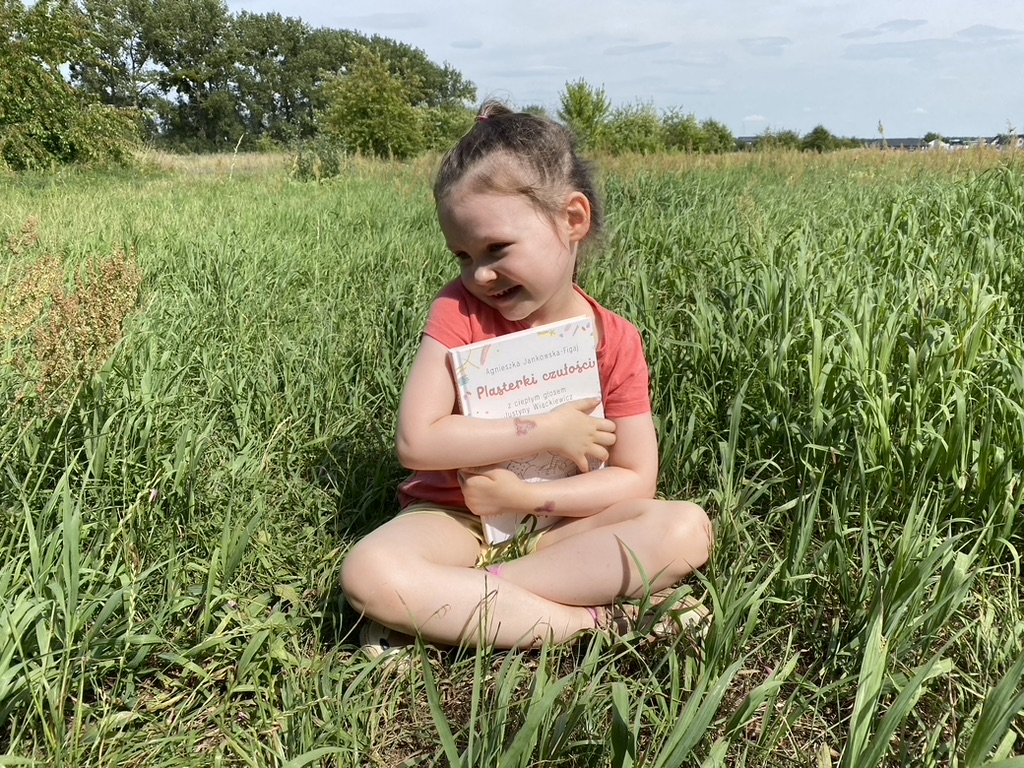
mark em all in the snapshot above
pixel 489 554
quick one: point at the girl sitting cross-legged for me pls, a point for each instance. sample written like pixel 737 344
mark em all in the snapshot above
pixel 515 204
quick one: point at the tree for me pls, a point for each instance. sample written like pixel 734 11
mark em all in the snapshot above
pixel 281 67
pixel 718 138
pixel 274 78
pixel 43 120
pixel 538 110
pixel 444 126
pixel 120 70
pixel 819 140
pixel 932 136
pixel 369 110
pixel 682 132
pixel 633 128
pixel 429 85
pixel 198 77
pixel 585 109
pixel 783 139
pixel 189 40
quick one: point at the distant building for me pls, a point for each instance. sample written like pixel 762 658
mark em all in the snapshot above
pixel 946 143
pixel 1007 142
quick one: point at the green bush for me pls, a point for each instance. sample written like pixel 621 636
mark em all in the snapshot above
pixel 444 126
pixel 318 160
pixel 369 111
pixel 819 139
pixel 770 140
pixel 585 110
pixel 43 120
pixel 717 137
pixel 633 128
pixel 682 132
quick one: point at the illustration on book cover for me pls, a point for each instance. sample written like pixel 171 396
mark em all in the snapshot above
pixel 542 466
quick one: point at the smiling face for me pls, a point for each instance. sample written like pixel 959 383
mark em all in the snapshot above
pixel 513 256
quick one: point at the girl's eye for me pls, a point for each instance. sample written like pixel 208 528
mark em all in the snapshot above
pixel 497 247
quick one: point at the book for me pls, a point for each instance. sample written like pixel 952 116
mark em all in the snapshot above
pixel 527 373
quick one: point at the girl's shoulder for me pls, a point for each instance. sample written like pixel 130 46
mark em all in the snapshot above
pixel 615 329
pixel 458 317
pixel 454 290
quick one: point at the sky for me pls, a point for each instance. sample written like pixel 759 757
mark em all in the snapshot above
pixel 915 66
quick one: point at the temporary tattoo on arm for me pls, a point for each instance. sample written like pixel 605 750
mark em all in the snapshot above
pixel 523 426
pixel 547 508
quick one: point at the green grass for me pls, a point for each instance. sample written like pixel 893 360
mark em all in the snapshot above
pixel 838 373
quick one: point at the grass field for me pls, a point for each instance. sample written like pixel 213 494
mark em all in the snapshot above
pixel 200 373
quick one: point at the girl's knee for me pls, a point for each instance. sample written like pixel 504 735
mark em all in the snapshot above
pixel 687 528
pixel 364 571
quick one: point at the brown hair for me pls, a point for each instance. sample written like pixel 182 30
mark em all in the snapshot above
pixel 519 153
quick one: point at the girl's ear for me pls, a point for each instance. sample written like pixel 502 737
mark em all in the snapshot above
pixel 577 216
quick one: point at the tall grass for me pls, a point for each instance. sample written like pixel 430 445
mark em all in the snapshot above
pixel 837 371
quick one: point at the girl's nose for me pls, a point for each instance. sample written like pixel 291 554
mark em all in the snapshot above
pixel 484 274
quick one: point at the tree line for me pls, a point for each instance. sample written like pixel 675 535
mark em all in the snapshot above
pixel 88 80
pixel 640 128
pixel 82 79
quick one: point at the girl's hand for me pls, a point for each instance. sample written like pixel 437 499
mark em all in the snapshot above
pixel 579 436
pixel 491 490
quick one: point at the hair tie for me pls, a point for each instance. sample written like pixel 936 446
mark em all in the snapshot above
pixel 481 118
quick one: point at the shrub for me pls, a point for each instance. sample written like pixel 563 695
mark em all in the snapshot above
pixel 585 110
pixel 318 160
pixel 43 120
pixel 717 137
pixel 770 140
pixel 819 139
pixel 633 128
pixel 682 132
pixel 369 111
pixel 444 126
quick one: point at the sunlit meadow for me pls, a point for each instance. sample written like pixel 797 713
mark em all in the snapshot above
pixel 200 366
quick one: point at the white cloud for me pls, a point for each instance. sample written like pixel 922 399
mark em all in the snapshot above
pixel 988 34
pixel 392 21
pixel 765 46
pixel 901 25
pixel 625 50
pixel 545 68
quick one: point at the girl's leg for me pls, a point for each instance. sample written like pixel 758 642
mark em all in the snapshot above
pixel 415 574
pixel 593 560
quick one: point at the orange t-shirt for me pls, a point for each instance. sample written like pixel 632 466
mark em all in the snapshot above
pixel 457 317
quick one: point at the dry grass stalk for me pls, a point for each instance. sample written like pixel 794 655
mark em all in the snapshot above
pixel 60 335
pixel 216 165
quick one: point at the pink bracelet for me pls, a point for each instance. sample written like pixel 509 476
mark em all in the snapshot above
pixel 495 570
pixel 593 615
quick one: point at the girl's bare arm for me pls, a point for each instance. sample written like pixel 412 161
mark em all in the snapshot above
pixel 431 437
pixel 631 473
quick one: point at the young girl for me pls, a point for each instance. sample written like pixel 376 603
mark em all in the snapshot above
pixel 515 204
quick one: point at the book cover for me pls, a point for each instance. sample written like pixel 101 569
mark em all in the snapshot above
pixel 527 373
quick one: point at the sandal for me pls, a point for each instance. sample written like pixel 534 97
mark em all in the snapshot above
pixel 626 621
pixel 376 640
pixel 687 616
